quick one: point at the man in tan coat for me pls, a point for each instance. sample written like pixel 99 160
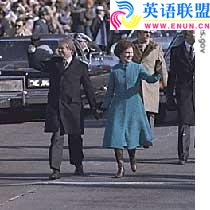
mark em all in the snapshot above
pixel 150 54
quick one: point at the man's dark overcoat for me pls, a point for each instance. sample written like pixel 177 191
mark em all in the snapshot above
pixel 96 24
pixel 181 76
pixel 64 98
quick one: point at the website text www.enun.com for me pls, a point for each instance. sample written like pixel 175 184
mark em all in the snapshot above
pixel 175 26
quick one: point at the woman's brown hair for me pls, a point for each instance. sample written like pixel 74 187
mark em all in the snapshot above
pixel 121 46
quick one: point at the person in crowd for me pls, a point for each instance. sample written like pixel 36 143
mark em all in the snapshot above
pixel 4 24
pixel 127 123
pixel 29 23
pixel 84 42
pixel 20 29
pixel 89 15
pixel 78 19
pixel 114 37
pixel 150 54
pixel 41 25
pixel 65 19
pixel 98 28
pixel 35 10
pixel 64 113
pixel 181 78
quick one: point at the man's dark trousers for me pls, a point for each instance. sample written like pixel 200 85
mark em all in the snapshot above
pixel 56 149
pixel 183 141
pixel 151 119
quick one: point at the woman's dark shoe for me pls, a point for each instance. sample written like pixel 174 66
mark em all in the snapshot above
pixel 131 153
pixel 147 144
pixel 121 172
pixel 133 165
pixel 119 158
pixel 55 175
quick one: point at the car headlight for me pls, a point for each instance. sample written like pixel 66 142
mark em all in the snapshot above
pixel 38 83
pixel 11 85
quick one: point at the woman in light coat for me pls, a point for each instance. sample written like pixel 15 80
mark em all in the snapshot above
pixel 127 124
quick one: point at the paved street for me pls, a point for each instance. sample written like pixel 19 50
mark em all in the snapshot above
pixel 159 183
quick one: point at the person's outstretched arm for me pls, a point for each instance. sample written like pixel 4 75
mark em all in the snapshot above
pixel 144 75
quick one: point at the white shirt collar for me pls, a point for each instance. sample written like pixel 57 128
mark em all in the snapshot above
pixel 101 17
pixel 188 46
pixel 69 59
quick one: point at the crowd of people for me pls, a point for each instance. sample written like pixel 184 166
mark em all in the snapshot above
pixel 26 17
pixel 91 17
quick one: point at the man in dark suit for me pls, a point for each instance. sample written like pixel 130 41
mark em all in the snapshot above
pixel 181 77
pixel 64 110
pixel 41 26
pixel 98 28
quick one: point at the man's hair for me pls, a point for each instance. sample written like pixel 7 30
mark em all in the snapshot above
pixel 35 39
pixel 43 11
pixel 69 42
pixel 187 32
pixel 122 46
pixel 99 9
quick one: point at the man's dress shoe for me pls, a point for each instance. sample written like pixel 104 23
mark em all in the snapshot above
pixel 79 170
pixel 181 162
pixel 55 175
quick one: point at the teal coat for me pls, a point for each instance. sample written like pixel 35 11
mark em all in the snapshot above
pixel 127 124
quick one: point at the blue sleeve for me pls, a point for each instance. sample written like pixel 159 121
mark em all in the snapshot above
pixel 110 92
pixel 144 75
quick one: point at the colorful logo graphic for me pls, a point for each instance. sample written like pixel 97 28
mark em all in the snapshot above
pixel 124 16
pixel 159 15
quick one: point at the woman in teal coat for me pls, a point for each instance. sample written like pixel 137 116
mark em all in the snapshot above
pixel 127 124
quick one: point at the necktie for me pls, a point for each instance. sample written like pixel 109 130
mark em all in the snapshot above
pixel 191 53
pixel 65 64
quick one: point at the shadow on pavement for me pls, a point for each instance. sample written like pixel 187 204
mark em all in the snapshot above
pixel 21 116
pixel 14 117
pixel 149 177
pixel 43 147
pixel 172 161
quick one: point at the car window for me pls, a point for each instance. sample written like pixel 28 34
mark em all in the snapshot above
pixel 17 50
pixel 98 59
pixel 14 50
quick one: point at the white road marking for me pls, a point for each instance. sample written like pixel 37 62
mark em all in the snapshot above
pixel 74 183
pixel 17 197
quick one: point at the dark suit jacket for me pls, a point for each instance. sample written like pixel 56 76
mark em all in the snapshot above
pixel 78 17
pixel 40 27
pixel 96 24
pixel 181 77
pixel 64 99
